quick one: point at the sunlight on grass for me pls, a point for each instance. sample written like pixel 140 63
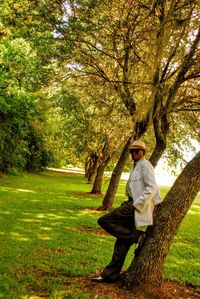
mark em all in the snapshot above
pixel 55 216
pixel 44 238
pixel 19 237
pixel 46 228
pixel 41 216
pixel 87 211
pixel 193 212
pixel 7 189
pixel 25 190
pixel 31 220
pixel 10 189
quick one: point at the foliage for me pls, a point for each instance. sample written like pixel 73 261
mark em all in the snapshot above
pixel 19 107
pixel 104 68
pixel 15 104
pixel 87 122
pixel 124 48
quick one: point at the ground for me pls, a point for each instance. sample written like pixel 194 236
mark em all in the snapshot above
pixel 168 290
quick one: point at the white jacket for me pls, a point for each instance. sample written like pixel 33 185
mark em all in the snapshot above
pixel 143 189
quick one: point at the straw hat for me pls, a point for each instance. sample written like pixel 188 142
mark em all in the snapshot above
pixel 138 144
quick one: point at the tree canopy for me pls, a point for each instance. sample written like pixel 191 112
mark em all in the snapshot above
pixel 134 63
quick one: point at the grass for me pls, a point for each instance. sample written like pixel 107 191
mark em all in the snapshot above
pixel 45 241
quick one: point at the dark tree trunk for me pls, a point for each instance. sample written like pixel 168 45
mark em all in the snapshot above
pixel 147 267
pixel 96 189
pixel 114 181
pixel 161 129
pixel 104 159
pixel 91 164
pixel 87 163
pixel 139 129
pixel 157 152
pixel 93 172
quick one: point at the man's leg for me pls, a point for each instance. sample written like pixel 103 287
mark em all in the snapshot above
pixel 120 223
pixel 113 269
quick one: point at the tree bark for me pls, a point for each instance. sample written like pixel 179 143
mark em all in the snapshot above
pixel 161 129
pixel 96 189
pixel 147 267
pixel 90 163
pixel 93 172
pixel 157 152
pixel 104 159
pixel 114 181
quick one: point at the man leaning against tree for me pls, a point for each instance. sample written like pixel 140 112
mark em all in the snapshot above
pixel 128 222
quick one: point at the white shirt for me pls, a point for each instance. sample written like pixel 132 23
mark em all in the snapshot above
pixel 144 191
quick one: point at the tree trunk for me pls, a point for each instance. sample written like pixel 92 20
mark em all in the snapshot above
pixel 91 164
pixel 139 129
pixel 93 172
pixel 96 189
pixel 114 181
pixel 87 163
pixel 104 159
pixel 157 152
pixel 147 267
pixel 161 129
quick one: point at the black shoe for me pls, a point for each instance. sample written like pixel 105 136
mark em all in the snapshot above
pixel 100 279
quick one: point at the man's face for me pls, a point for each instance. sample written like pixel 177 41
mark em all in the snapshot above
pixel 136 154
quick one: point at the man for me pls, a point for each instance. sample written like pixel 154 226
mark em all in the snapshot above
pixel 128 222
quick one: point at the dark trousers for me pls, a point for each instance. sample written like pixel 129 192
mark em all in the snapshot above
pixel 119 223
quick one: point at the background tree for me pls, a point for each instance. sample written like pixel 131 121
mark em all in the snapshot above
pixel 96 129
pixel 24 77
pixel 18 103
pixel 109 197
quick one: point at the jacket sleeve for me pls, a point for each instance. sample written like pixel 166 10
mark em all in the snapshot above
pixel 150 187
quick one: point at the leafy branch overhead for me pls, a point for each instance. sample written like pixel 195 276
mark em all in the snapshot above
pixel 133 62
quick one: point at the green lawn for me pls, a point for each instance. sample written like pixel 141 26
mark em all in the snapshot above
pixel 45 237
